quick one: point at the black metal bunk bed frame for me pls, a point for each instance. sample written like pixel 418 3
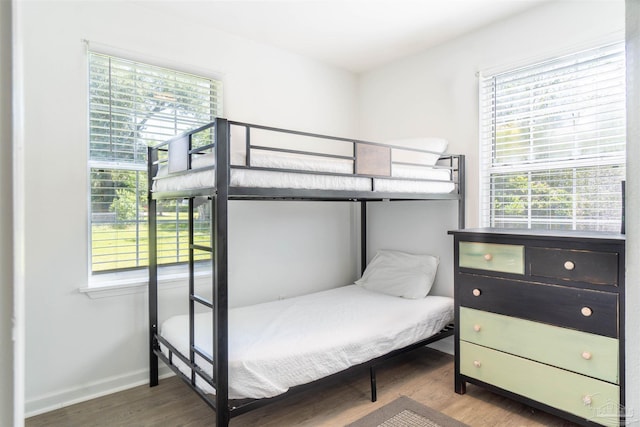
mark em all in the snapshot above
pixel 219 197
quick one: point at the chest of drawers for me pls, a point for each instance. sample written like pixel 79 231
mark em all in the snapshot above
pixel 539 318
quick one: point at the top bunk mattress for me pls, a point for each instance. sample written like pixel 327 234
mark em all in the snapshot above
pixel 277 345
pixel 304 172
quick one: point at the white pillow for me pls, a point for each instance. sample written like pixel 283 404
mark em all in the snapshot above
pixel 437 145
pixel 400 274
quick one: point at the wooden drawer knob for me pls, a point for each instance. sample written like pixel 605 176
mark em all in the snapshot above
pixel 586 355
pixel 488 257
pixel 569 265
pixel 477 363
pixel 586 311
pixel 476 292
pixel 476 328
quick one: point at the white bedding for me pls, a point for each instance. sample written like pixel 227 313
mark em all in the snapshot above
pixel 281 344
pixel 271 179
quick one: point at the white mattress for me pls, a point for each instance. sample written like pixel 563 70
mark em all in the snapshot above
pixel 271 179
pixel 281 344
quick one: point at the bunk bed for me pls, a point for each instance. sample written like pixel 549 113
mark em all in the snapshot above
pixel 253 346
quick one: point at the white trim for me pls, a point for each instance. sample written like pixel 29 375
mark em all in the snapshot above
pixel 19 215
pixel 137 281
pixel 103 58
pixel 552 53
pixel 137 56
pixel 632 315
pixel 483 201
pixel 7 335
pixel 71 396
pixel 490 107
pixel 102 164
pixel 87 178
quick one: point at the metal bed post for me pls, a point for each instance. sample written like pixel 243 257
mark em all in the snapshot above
pixel 461 192
pixel 363 265
pixel 220 283
pixel 152 157
pixel 363 235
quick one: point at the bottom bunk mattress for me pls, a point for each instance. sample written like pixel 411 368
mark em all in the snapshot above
pixel 277 345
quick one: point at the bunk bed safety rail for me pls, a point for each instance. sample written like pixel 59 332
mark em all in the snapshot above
pixel 253 147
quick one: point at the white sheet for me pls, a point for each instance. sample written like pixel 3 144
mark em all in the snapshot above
pixel 281 344
pixel 273 179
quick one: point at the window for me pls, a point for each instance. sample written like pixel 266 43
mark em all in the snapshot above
pixel 553 143
pixel 131 106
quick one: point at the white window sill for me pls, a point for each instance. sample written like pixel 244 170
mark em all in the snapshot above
pixel 133 282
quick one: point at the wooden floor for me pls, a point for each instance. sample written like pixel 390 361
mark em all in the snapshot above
pixel 425 375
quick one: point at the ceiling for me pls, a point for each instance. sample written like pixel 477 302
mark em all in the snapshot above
pixel 356 35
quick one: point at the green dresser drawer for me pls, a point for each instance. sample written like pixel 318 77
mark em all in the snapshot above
pixel 577 351
pixel 582 396
pixel 492 257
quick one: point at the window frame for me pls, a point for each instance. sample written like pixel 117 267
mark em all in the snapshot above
pixel 487 144
pixel 130 279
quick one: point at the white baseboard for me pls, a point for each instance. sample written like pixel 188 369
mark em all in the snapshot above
pixel 71 396
pixel 63 398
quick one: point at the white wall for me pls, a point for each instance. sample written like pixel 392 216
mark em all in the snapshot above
pixel 436 92
pixel 418 227
pixel 76 346
pixel 284 249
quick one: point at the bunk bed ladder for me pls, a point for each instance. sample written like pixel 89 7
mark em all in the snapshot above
pixel 194 298
pixel 219 281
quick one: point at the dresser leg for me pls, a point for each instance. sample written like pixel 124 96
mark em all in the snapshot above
pixel 460 385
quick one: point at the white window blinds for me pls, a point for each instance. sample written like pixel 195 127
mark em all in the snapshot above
pixel 133 105
pixel 553 143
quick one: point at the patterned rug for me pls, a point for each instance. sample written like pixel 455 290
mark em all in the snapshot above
pixel 404 412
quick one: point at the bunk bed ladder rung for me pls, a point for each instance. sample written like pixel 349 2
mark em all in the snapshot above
pixel 201 248
pixel 204 376
pixel 203 354
pixel 201 300
pixel 195 369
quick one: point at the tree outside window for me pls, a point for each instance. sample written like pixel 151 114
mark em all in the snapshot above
pixel 132 106
pixel 554 143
